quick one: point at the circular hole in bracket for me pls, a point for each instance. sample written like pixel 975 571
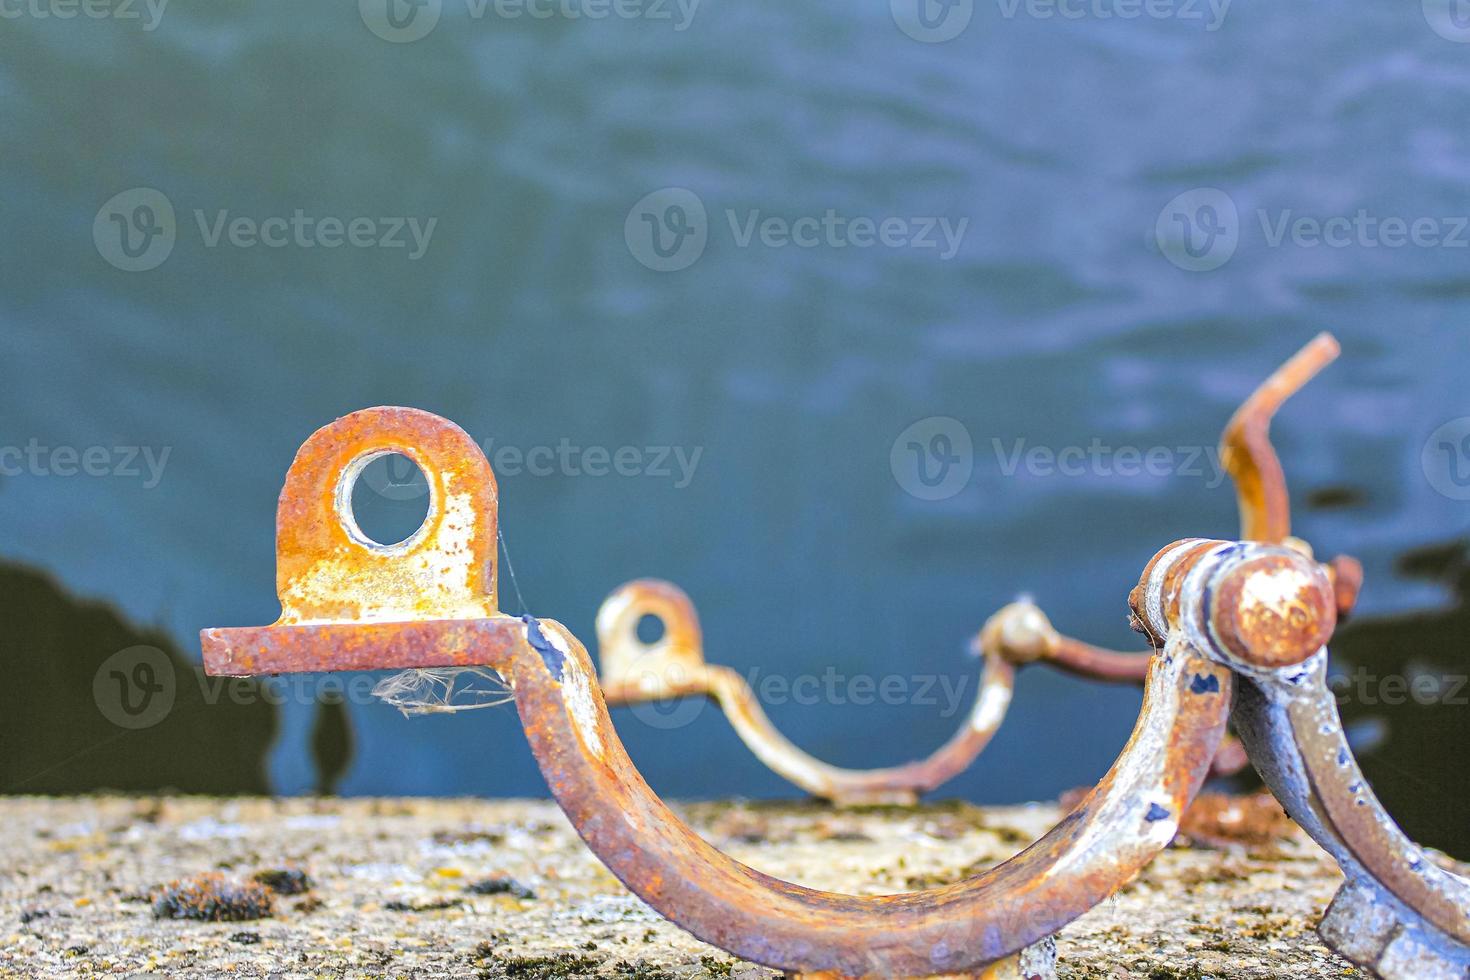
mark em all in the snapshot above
pixel 383 500
pixel 650 629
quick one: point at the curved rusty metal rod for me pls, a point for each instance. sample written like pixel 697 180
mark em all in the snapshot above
pixel 1246 451
pixel 348 603
pixel 674 666
pixel 1249 457
pixel 1399 913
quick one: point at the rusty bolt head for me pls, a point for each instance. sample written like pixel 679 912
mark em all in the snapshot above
pixel 1274 610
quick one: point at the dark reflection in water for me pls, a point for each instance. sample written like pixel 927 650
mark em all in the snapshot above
pixel 1404 682
pixel 90 702
pixel 331 745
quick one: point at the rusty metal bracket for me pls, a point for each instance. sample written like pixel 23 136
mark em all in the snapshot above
pixel 673 666
pixel 349 603
pixel 1399 913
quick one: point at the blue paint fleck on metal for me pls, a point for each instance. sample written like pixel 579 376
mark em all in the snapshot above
pixel 1204 685
pixel 1156 813
pixel 554 659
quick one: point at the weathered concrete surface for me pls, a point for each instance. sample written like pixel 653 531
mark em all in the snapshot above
pixel 390 898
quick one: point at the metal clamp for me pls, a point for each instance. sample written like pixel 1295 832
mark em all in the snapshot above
pixel 349 603
pixel 1398 913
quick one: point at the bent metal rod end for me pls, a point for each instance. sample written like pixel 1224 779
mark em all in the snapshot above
pixel 351 604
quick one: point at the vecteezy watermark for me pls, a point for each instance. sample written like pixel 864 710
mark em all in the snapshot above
pixel 668 229
pixel 125 462
pixel 135 688
pixel 935 21
pixel 405 21
pixel 136 230
pixel 1450 19
pixel 139 688
pixel 1209 13
pixel 148 13
pixel 396 478
pixel 934 458
pixel 1200 229
pixel 942 691
pixel 1099 459
pixel 1445 459
pixel 676 463
pixel 932 21
pixel 1419 686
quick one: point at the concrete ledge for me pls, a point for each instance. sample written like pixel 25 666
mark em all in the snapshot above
pixel 429 888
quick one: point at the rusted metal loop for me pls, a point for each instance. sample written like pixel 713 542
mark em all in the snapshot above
pixel 327 569
pixel 671 666
pixel 1021 630
pixel 988 918
pixel 674 666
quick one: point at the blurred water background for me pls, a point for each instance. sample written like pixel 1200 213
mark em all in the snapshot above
pixel 1080 300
